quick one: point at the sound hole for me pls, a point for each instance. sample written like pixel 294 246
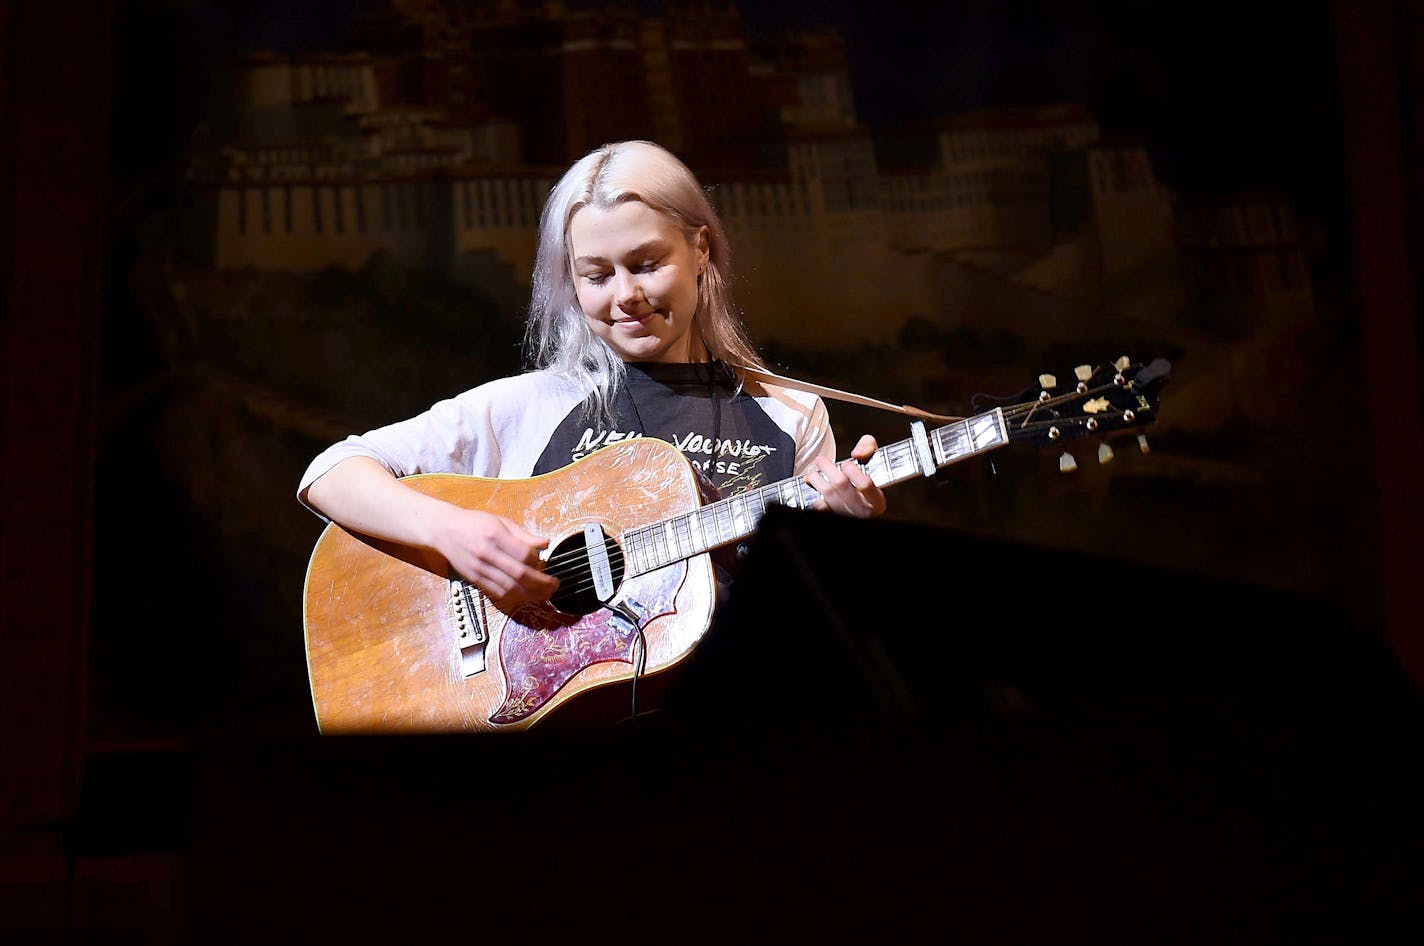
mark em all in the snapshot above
pixel 569 562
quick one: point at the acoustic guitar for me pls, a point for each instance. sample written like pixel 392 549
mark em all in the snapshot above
pixel 397 642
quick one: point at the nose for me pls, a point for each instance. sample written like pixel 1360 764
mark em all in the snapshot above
pixel 626 289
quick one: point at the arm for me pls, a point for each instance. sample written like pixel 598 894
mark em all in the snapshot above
pixel 499 556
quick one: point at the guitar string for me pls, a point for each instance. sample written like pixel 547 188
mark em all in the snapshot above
pixel 1028 407
pixel 723 526
pixel 566 566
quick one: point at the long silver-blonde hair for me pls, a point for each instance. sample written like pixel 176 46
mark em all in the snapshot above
pixel 557 335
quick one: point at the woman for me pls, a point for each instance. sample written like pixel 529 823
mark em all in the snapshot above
pixel 631 333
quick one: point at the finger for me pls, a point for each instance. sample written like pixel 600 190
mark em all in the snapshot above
pixel 860 497
pixel 530 578
pixel 823 479
pixel 831 476
pixel 492 581
pixel 524 535
pixel 865 448
pixel 520 544
pixel 509 590
pixel 855 474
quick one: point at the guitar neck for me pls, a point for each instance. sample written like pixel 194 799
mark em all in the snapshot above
pixel 732 519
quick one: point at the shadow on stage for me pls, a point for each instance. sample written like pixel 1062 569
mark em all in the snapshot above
pixel 891 732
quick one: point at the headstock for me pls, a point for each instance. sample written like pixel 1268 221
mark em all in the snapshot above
pixel 1096 401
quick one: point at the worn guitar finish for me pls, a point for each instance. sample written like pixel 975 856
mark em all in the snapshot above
pixel 385 646
pixel 397 642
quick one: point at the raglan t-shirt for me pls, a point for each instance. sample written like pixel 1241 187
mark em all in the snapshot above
pixel 536 422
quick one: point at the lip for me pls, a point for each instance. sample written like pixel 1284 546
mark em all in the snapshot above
pixel 635 320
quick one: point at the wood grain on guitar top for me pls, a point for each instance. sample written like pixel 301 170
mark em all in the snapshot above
pixel 383 653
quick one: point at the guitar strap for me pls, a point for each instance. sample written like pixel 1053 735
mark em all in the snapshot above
pixel 759 375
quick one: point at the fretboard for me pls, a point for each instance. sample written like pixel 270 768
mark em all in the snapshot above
pixel 736 517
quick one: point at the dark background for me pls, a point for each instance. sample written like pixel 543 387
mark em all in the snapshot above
pixel 1174 754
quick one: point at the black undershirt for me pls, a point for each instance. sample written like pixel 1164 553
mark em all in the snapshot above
pixel 696 407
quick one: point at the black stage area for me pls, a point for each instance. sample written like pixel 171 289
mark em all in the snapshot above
pixel 892 734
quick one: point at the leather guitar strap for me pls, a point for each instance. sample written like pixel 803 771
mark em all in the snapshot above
pixel 759 375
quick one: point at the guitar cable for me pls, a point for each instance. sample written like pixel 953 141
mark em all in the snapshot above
pixel 640 662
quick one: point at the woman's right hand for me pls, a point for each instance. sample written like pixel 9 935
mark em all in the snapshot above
pixel 500 556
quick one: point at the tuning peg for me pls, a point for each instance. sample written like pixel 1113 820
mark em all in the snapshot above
pixel 1083 372
pixel 1066 463
pixel 1105 452
pixel 1142 443
pixel 1122 363
pixel 1047 381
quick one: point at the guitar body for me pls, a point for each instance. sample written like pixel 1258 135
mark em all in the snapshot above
pixel 392 636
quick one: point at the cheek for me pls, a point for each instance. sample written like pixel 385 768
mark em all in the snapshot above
pixel 674 286
pixel 587 298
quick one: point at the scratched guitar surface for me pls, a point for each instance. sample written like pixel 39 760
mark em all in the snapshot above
pixel 382 651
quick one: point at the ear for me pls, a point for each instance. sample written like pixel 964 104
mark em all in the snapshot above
pixel 702 244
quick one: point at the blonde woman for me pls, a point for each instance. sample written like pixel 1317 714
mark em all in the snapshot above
pixel 631 332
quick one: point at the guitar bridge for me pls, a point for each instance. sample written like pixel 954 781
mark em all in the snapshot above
pixel 471 626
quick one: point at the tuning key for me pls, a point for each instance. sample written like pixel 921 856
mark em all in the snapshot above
pixel 1066 463
pixel 1105 452
pixel 1083 372
pixel 1047 381
pixel 1142 443
pixel 1122 363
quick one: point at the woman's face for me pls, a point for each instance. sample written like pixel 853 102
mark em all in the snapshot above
pixel 636 278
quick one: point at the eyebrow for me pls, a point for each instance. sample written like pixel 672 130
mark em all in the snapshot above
pixel 656 245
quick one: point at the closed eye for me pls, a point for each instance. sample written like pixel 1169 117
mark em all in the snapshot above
pixel 601 277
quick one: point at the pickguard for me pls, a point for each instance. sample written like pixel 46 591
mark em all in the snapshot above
pixel 541 650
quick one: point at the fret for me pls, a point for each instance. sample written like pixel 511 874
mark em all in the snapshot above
pixel 970 441
pixel 790 495
pixel 633 550
pixel 652 546
pixel 757 498
pixel 941 457
pixel 658 542
pixel 970 436
pixel 741 516
pixel 669 549
pixel 717 514
pixel 806 493
pixel 990 430
pixel 670 530
pixel 893 463
pixel 694 526
pixel 903 465
pixel 726 527
pixel 878 468
pixel 952 441
pixel 686 545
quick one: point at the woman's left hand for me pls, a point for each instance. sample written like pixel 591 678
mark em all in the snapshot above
pixel 844 487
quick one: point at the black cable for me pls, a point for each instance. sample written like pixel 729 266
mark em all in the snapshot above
pixel 640 662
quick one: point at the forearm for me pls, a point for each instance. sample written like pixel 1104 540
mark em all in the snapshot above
pixel 500 556
pixel 362 495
